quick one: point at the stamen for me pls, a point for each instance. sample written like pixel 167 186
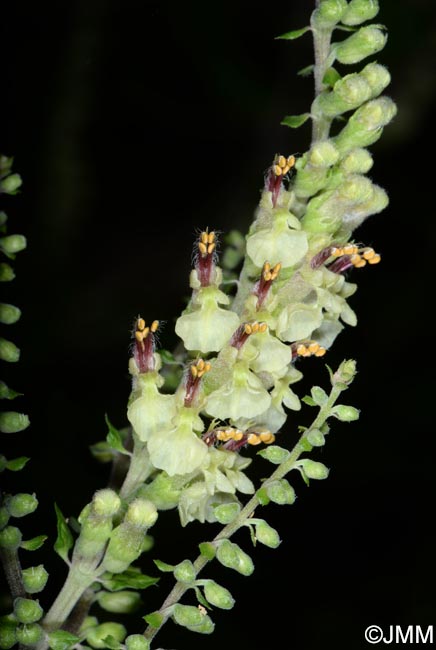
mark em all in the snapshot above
pixel 143 351
pixel 205 263
pixel 244 331
pixel 280 167
pixel 262 287
pixel 307 349
pixel 197 370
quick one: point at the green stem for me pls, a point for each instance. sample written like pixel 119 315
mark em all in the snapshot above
pixel 139 470
pixel 321 45
pixel 247 511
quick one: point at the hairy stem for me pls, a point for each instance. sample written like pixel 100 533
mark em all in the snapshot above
pixel 12 568
pixel 139 470
pixel 247 511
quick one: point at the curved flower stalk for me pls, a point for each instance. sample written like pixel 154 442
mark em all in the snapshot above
pixel 242 354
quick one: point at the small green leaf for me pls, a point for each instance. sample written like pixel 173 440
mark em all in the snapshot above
pixel 16 464
pixel 319 395
pixel 114 438
pixel 34 543
pixel 132 578
pixel 201 599
pixel 155 619
pixel 306 445
pixel 111 642
pixel 331 77
pixel 8 393
pixel 163 566
pixel 291 36
pixel 102 451
pixel 308 400
pixel 262 496
pixel 207 550
pixel 275 454
pixel 64 541
pixel 305 72
pixel 62 640
pixel 346 28
pixel 167 356
pixel 294 121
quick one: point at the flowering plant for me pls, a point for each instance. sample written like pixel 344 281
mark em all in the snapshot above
pixel 193 415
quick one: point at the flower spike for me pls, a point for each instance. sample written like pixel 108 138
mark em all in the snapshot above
pixel 144 345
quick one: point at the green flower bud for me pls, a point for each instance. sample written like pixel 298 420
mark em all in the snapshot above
pixel 376 203
pixel 267 535
pixel 6 272
pixel 226 512
pixel 12 422
pixel 141 513
pixel 233 557
pixel 217 595
pixel 313 469
pixel 162 491
pixel 345 413
pixel 281 492
pixel 365 42
pixel 323 154
pixel 9 314
pixel 119 602
pixel 10 184
pixel 355 190
pixel 13 244
pixel 378 78
pixel 345 373
pixel 9 351
pixel 365 125
pixel 8 636
pixel 106 503
pixel 125 546
pixel 357 161
pixel 97 635
pixel 348 93
pixel 21 505
pixel 137 642
pixel 316 438
pixel 328 14
pixel 27 610
pixel 193 619
pixel 29 634
pixel 34 579
pixel 359 11
pixel 185 572
pixel 10 538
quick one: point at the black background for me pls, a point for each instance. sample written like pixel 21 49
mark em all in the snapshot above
pixel 132 125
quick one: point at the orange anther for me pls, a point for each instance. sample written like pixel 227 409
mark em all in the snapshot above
pixel 320 352
pixel 202 248
pixel 140 325
pixel 263 327
pixel 154 325
pixel 253 439
pixel 210 238
pixel 204 237
pixel 375 260
pixel 237 435
pixel 247 328
pixel 368 253
pixel 277 170
pixel 210 248
pixel 282 161
pixel 313 347
pixel 194 371
pixel 291 161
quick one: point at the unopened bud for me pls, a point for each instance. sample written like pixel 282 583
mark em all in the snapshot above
pixel 345 413
pixel 345 373
pixel 185 572
pixel 267 535
pixel 355 189
pixel 227 512
pixel 142 513
pixel 313 469
pixel 363 43
pixel 9 314
pixel 6 272
pixel 106 503
pixel 357 161
pixel 9 351
pixel 12 422
pixel 281 492
pixel 316 438
pixel 10 538
pixel 377 76
pixel 34 579
pixel 8 636
pixel 193 619
pixel 27 610
pixel 359 11
pixel 30 634
pixel 97 635
pixel 20 505
pixel 13 244
pixel 233 557
pixel 328 14
pixel 323 154
pixel 137 642
pixel 119 602
pixel 348 93
pixel 365 125
pixel 217 595
pixel 10 184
